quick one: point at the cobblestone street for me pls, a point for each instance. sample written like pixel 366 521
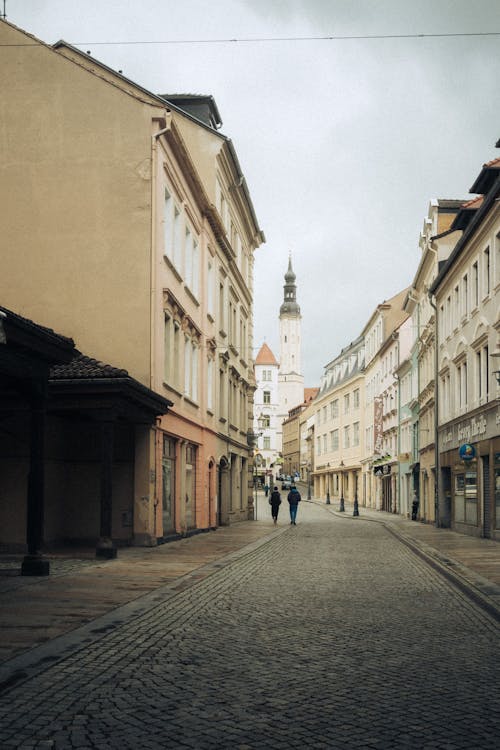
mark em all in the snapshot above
pixel 333 634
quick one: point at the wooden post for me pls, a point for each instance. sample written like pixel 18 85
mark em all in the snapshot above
pixel 34 563
pixel 105 547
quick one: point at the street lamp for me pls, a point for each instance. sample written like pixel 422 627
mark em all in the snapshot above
pixel 356 506
pixel 308 481
pixel 328 484
pixel 342 506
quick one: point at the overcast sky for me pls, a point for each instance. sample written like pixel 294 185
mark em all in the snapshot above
pixel 343 143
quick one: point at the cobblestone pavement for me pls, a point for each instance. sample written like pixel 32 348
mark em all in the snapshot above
pixel 331 635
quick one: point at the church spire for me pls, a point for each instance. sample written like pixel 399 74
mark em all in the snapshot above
pixel 290 306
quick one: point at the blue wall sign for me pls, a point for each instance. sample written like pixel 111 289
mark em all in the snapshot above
pixel 467 452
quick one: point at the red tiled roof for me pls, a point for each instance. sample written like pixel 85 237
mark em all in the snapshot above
pixel 493 163
pixel 265 356
pixel 474 203
pixel 310 394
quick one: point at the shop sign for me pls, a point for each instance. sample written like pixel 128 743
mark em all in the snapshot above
pixel 472 428
pixel 467 452
pixel 482 427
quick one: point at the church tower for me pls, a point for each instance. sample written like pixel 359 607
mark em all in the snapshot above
pixel 290 378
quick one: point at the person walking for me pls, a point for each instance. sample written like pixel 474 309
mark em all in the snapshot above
pixel 293 500
pixel 275 502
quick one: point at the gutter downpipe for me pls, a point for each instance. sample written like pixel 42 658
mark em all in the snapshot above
pixel 152 339
pixel 437 466
pixel 152 301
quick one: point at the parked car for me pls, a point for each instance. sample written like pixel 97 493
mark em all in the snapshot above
pixel 286 482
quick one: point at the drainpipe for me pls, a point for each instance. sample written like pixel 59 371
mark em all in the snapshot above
pixel 152 301
pixel 436 416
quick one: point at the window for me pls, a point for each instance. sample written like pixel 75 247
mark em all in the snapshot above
pixel 445 405
pixel 334 440
pixel 190 369
pixel 456 307
pixel 168 222
pixel 318 446
pixel 355 434
pixel 325 447
pixel 210 384
pixel 465 505
pixel 462 384
pixel 465 296
pixel 171 354
pixel 475 285
pixel 482 374
pixel 267 397
pixel 334 409
pixel 177 249
pixel 486 272
pixel 210 288
pixel 447 316
pixel 222 305
pixel 167 354
pixel 346 404
pixel 356 399
pixel 324 414
pixel 347 442
pixel 191 261
pixel 222 395
pixel 267 443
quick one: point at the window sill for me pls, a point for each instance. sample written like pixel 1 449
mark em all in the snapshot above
pixel 191 295
pixel 174 270
pixel 172 388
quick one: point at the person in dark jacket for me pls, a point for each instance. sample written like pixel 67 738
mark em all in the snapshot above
pixel 275 502
pixel 293 500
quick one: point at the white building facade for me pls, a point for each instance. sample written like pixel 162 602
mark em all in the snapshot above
pixel 467 294
pixel 266 406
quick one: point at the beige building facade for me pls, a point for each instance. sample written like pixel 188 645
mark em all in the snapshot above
pixel 379 334
pixel 339 427
pixel 129 225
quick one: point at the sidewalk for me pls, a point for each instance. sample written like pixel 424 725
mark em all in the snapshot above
pixel 81 589
pixel 471 563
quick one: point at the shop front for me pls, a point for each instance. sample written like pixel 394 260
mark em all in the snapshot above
pixel 469 488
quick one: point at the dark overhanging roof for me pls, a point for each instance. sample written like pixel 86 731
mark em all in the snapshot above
pixel 475 222
pixel 32 340
pixel 102 385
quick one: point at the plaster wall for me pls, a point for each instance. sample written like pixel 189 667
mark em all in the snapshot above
pixel 75 189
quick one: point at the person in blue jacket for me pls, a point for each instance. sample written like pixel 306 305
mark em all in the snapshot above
pixel 293 500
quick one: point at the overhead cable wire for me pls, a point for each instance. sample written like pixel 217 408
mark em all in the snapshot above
pixel 254 40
